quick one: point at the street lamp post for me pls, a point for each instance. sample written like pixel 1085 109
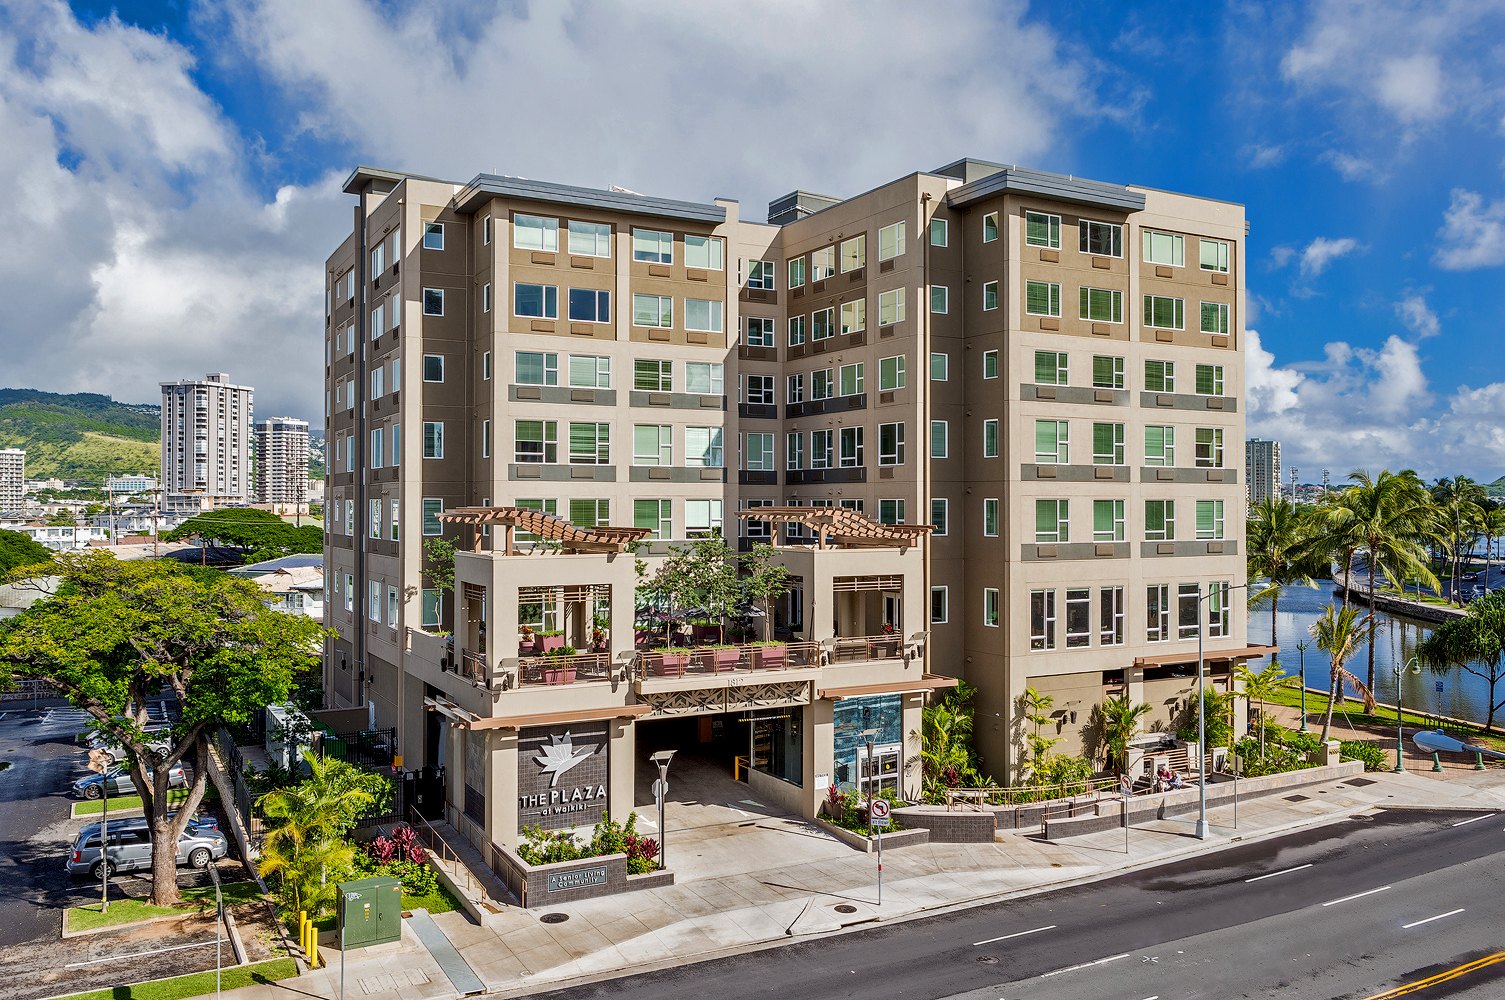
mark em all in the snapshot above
pixel 1203 829
pixel 1303 647
pixel 219 922
pixel 867 735
pixel 1412 666
pixel 662 758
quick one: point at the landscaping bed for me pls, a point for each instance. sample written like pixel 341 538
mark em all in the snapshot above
pixel 82 919
pixel 197 984
pixel 125 803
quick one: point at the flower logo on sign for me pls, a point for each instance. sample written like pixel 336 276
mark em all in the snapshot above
pixel 561 755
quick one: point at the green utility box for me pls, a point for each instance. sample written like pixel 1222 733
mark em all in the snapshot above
pixel 370 912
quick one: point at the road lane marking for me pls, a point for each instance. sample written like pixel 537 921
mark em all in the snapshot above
pixel 1406 927
pixel 137 954
pixel 1441 977
pixel 1014 935
pixel 1085 965
pixel 1273 874
pixel 1357 895
pixel 1474 820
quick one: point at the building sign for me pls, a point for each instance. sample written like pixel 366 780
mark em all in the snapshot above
pixel 580 878
pixel 562 775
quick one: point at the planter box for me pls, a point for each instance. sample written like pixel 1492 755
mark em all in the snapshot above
pixel 568 881
pixel 724 661
pixel 564 674
pixel 891 838
pixel 770 657
pixel 544 643
pixel 670 664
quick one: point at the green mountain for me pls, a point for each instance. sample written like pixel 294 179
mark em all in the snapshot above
pixel 83 436
pixel 1496 488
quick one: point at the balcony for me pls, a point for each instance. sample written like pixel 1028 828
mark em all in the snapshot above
pixel 748 658
pixel 563 668
pixel 868 647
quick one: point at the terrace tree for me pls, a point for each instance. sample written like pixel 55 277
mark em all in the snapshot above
pixel 765 582
pixel 1475 643
pixel 1338 633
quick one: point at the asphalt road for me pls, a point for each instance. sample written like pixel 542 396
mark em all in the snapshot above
pixel 1329 921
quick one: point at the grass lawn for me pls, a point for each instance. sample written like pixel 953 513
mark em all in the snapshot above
pixel 197 984
pixel 90 807
pixel 1316 703
pixel 124 911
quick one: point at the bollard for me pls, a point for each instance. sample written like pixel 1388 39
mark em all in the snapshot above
pixel 1436 762
pixel 303 932
pixel 1478 761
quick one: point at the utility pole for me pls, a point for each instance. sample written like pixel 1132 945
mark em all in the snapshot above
pixel 156 509
pixel 1294 470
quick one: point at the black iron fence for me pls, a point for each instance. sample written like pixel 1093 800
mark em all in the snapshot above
pixel 367 748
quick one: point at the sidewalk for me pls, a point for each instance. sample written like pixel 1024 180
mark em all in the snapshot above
pixel 772 902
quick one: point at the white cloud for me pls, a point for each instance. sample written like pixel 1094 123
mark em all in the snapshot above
pixel 1419 318
pixel 1473 233
pixel 1322 251
pixel 1351 167
pixel 1257 156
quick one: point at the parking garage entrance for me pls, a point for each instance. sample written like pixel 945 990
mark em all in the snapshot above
pixel 708 775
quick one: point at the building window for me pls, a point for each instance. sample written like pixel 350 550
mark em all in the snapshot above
pixel 652 247
pixel 939 438
pixel 590 443
pixel 891 241
pixel 550 507
pixel 939 510
pixel 652 376
pixel 433 303
pixel 395 520
pixel 1110 606
pixel 1215 317
pixel 433 236
pixel 537 301
pixel 797 272
pixel 485 438
pixel 1078 618
pixel 1214 255
pixel 938 232
pixel 1107 520
pixel 1164 248
pixel 376 322
pixel 938 605
pixel 1209 380
pixel 703 315
pixel 759 453
pixel 536 441
pixel 760 332
pixel 532 232
pixel 703 377
pixel 796 330
pixel 1100 305
pixel 891 374
pixel 940 297
pixel 796 389
pixel 760 274
pixel 1101 239
pixel 891 444
pixel 433 601
pixel 1041 230
pixel 854 253
pixel 1188 607
pixel 794 451
pixel 1050 367
pixel 760 390
pixel 349 517
pixel 890 511
pixel 1209 519
pixel 1159 376
pixel 652 444
pixel 656 516
pixel 990 295
pixel 891 307
pixel 373 526
pixel 1052 520
pixel 396 445
pixel 1052 444
pixel 703 448
pixel 1160 520
pixel 1107 444
pixel 821 450
pixel 1157 603
pixel 1165 312
pixel 432 508
pixel 989 364
pixel 1219 612
pixel 377 390
pixel 990 518
pixel 939 367
pixel 1042 298
pixel 535 368
pixel 822 385
pixel 1160 446
pixel 652 310
pixel 823 264
pixel 851 447
pixel 705 252
pixel 851 379
pixel 590 371
pixel 486 297
pixel 349 592
pixel 1107 372
pixel 990 607
pixel 702 518
pixel 590 239
pixel 990 439
pixel 590 305
pixel 854 316
pixel 486 231
pixel 1209 447
pixel 990 227
pixel 433 368
pixel 822 324
pixel 433 439
pixel 1042 619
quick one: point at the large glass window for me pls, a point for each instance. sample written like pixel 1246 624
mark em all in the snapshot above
pixel 433 439
pixel 990 517
pixel 1164 312
pixel 760 390
pixel 590 371
pixel 890 511
pixel 590 305
pixel 1209 519
pixel 1107 520
pixel 854 316
pixel 1052 520
pixel 822 324
pixel 1160 520
pixel 652 246
pixel 1078 617
pixel 891 241
pixel 703 377
pixel 1159 376
pixel 1050 367
pixel 1052 445
pixel 1157 608
pixel 1215 317
pixel 656 516
pixel 759 453
pixel 1107 372
pixel 822 384
pixel 851 447
pixel 891 307
pixel 1187 610
pixel 938 232
pixel 891 373
pixel 796 388
pixel 796 330
pixel 703 315
pixel 433 239
pixel 531 232
pixel 703 447
pixel 706 252
pixel 797 272
pixel 650 375
pixel 590 239
pixel 652 310
pixel 851 379
pixel 538 301
pixel 535 368
pixel 1160 446
pixel 1209 380
pixel 794 451
pixel 590 443
pixel 1100 305
pixel 760 331
pixel 823 264
pixel 652 444
pixel 1041 230
pixel 891 444
pixel 1214 255
pixel 1165 249
pixel 1042 619
pixel 1101 239
pixel 854 253
pixel 1110 616
pixel 1209 447
pixel 702 518
pixel 587 513
pixel 1042 298
pixel 535 441
pixel 1107 444
pixel 433 305
pixel 822 450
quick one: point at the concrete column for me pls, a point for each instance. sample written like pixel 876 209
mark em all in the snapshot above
pixel 622 763
pixel 910 782
pixel 501 786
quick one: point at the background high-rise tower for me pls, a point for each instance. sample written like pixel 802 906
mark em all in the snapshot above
pixel 281 460
pixel 206 438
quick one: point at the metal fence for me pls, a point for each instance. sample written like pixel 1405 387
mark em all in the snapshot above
pixel 27 689
pixel 367 748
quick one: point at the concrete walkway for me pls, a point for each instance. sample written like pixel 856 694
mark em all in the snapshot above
pixel 773 896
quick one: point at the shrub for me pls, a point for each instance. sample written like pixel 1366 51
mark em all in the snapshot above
pixel 1372 754
pixel 545 847
pixel 399 856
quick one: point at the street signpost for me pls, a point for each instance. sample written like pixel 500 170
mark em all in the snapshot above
pixel 878 816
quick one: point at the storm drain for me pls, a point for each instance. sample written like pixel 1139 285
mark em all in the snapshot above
pixel 553 918
pixel 987 960
pixel 1359 782
pixel 1297 798
pixel 846 908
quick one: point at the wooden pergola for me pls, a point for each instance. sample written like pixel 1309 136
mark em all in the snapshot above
pixel 840 526
pixel 550 528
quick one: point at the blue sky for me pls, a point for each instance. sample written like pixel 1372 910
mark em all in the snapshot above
pixel 179 164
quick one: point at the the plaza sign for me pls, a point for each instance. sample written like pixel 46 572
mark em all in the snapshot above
pixel 562 775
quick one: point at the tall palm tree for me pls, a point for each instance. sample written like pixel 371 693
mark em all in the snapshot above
pixel 1338 633
pixel 1388 518
pixel 1120 723
pixel 308 821
pixel 1459 511
pixel 944 758
pixel 1280 552
pixel 1493 526
pixel 1261 686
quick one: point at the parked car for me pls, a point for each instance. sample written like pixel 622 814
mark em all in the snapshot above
pixel 1470 577
pixel 160 744
pixel 1474 593
pixel 130 848
pixel 120 782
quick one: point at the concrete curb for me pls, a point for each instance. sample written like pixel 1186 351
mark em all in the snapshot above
pixel 1408 806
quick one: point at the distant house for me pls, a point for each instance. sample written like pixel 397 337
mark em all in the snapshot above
pixel 299 590
pixel 63 537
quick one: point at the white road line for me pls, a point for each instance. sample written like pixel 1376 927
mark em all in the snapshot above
pixel 1474 820
pixel 1273 874
pixel 137 954
pixel 1357 895
pixel 1085 965
pixel 1418 923
pixel 1037 930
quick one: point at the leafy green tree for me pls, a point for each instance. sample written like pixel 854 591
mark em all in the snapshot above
pixel 1261 686
pixel 697 578
pixel 258 533
pixel 1282 552
pixel 1120 721
pixel 117 633
pixel 18 549
pixel 1475 643
pixel 440 553
pixel 1036 707
pixel 766 581
pixel 1338 633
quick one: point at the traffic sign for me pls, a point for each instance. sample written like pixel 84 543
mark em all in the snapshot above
pixel 1439 687
pixel 878 812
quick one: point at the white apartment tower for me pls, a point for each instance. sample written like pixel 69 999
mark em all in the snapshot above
pixel 1262 468
pixel 206 438
pixel 281 460
pixel 12 478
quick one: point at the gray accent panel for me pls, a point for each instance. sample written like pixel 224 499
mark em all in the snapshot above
pixel 1151 474
pixel 561 394
pixel 563 473
pixel 1073 473
pixel 1070 551
pixel 832 404
pixel 675 474
pixel 1186 401
pixel 677 400
pixel 1151 550
pixel 806 477
pixel 1058 187
pixel 1074 394
pixel 758 411
pixel 487 186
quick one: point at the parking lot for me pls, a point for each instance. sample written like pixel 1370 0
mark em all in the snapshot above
pixel 36 835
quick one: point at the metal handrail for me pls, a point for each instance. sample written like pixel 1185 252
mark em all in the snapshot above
pixel 743 658
pixel 473 666
pixel 428 834
pixel 1024 794
pixel 564 669
pixel 868 647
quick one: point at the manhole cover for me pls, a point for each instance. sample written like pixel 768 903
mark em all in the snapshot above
pixel 1297 798
pixel 1360 782
pixel 553 918
pixel 987 960
pixel 846 908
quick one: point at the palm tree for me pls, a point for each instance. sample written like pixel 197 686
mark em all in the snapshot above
pixel 1037 708
pixel 1388 518
pixel 308 823
pixel 945 760
pixel 1493 526
pixel 1120 723
pixel 1475 643
pixel 1280 547
pixel 1459 512
pixel 1261 686
pixel 1338 633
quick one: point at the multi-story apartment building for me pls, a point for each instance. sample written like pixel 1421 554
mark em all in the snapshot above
pixel 206 438
pixel 131 484
pixel 282 460
pixel 12 478
pixel 1262 469
pixel 989 416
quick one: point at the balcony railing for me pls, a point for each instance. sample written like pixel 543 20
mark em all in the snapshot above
pixel 564 669
pixel 473 667
pixel 752 657
pixel 867 647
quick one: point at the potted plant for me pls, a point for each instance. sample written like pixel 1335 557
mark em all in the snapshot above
pixel 526 641
pixel 770 655
pixel 888 642
pixel 670 662
pixel 599 640
pixel 549 641
pixel 561 671
pixel 723 659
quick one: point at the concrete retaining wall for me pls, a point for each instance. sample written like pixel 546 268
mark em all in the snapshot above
pixel 568 881
pixel 898 838
pixel 950 827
